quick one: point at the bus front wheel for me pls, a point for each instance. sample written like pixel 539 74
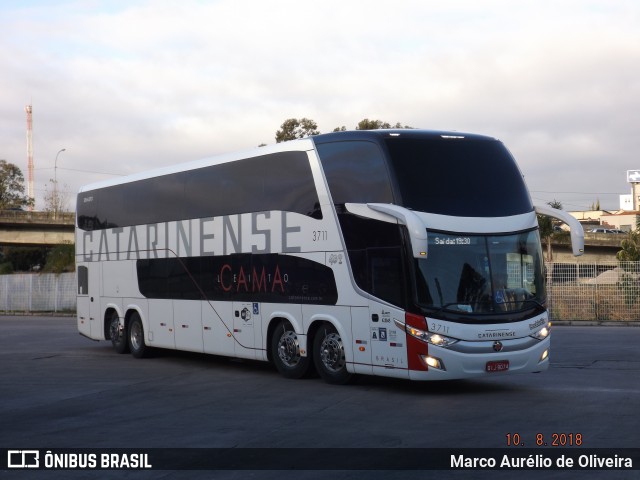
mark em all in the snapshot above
pixel 285 352
pixel 137 345
pixel 329 356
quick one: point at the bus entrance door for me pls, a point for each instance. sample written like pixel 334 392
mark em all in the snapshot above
pixel 360 331
pixel 88 301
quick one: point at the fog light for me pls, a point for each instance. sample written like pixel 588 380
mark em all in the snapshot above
pixel 544 356
pixel 432 362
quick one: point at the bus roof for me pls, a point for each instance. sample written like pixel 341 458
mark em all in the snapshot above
pixel 304 144
pixel 395 132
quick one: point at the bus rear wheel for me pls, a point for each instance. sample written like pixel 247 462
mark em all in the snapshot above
pixel 285 352
pixel 117 335
pixel 137 345
pixel 329 356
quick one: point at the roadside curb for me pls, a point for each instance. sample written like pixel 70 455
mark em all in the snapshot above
pixel 593 323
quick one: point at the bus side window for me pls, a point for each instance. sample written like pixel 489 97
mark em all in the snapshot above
pixel 375 253
pixel 83 280
pixel 356 172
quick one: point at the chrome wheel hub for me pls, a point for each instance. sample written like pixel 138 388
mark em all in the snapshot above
pixel 114 329
pixel 136 336
pixel 332 352
pixel 289 349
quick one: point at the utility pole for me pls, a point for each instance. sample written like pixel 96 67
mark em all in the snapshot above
pixel 29 110
pixel 56 201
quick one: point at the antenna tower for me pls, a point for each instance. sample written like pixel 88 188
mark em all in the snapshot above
pixel 28 109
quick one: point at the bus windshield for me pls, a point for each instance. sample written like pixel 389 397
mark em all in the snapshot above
pixel 481 274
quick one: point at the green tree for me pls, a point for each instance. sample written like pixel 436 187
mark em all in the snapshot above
pixel 6 268
pixel 547 231
pixel 367 124
pixel 293 128
pixel 630 246
pixel 628 254
pixel 61 258
pixel 25 259
pixel 56 199
pixel 12 187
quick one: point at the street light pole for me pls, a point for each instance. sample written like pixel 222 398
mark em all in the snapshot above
pixel 55 183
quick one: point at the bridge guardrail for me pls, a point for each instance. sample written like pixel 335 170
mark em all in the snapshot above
pixel 22 216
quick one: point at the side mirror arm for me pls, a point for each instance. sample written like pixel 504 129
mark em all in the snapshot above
pixel 415 226
pixel 577 232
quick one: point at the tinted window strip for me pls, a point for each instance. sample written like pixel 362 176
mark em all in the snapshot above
pixel 276 182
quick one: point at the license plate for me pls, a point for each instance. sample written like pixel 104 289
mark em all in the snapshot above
pixel 497 366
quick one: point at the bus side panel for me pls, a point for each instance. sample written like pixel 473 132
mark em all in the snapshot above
pixel 246 324
pixel 361 340
pixel 388 342
pixel 160 324
pixel 119 279
pixel 390 372
pixel 217 325
pixel 188 325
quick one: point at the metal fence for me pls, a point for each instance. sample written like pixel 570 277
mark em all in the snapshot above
pixel 45 292
pixel 606 291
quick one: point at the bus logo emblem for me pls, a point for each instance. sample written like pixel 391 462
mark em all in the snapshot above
pixel 497 346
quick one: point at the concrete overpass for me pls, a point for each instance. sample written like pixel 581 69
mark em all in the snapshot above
pixel 20 228
pixel 598 247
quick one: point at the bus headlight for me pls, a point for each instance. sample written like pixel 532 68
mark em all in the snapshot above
pixel 542 333
pixel 440 340
pixel 431 338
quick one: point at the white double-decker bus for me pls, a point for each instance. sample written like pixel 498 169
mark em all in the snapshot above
pixel 402 253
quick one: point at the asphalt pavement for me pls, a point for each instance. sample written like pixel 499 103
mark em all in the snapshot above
pixel 60 390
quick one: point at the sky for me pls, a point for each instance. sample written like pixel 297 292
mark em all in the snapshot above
pixel 128 86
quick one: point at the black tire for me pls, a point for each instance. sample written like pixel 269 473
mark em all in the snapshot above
pixel 137 344
pixel 329 357
pixel 285 352
pixel 118 337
